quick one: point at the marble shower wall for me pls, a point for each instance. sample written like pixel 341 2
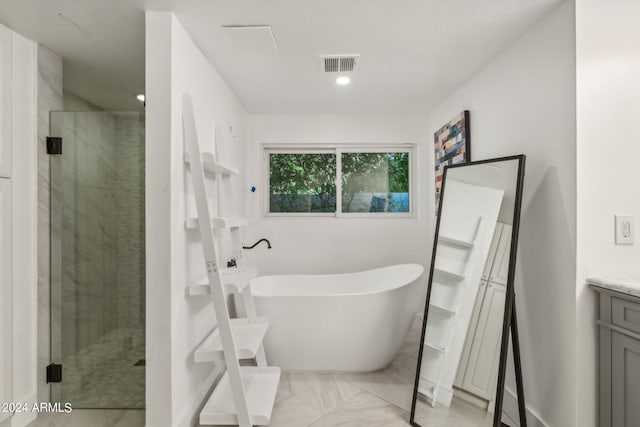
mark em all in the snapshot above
pixel 100 182
pixel 130 249
pixel 102 285
pixel 86 178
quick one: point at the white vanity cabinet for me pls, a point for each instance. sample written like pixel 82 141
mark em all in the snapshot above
pixel 478 370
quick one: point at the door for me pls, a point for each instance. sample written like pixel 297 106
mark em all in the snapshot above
pixel 492 251
pixel 97 259
pixel 625 380
pixel 500 270
pixel 473 324
pixel 481 373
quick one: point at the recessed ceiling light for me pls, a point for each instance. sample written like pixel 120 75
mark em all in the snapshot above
pixel 343 80
pixel 140 97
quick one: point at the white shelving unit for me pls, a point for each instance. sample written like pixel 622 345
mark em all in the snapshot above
pixel 450 274
pixel 211 165
pixel 449 311
pixel 222 222
pixel 456 242
pixel 233 280
pixel 247 333
pixel 244 396
pixel 478 369
pixel 446 277
pixel 259 385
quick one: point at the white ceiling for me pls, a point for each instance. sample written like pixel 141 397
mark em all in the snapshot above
pixel 414 53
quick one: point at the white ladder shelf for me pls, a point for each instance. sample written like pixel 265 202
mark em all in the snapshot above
pixel 466 245
pixel 244 396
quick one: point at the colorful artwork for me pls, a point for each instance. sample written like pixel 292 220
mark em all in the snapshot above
pixel 451 146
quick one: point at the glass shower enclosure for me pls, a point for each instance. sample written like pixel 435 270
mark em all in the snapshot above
pixel 98 259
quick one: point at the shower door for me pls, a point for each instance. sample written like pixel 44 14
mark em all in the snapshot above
pixel 97 259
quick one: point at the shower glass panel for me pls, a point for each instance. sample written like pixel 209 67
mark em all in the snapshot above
pixel 98 259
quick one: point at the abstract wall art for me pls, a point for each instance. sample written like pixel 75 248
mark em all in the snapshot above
pixel 451 146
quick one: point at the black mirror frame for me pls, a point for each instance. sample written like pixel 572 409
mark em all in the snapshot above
pixel 509 320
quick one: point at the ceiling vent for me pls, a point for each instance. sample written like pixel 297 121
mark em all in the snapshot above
pixel 339 63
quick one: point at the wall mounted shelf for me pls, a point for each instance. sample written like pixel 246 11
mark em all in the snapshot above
pixel 427 391
pixel 435 347
pixel 443 309
pixel 244 396
pixel 211 165
pixel 449 274
pixel 233 280
pixel 220 222
pixel 456 242
pixel 455 282
pixel 247 333
pixel 260 386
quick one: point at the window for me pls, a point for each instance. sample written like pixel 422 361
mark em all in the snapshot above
pixel 302 182
pixel 339 182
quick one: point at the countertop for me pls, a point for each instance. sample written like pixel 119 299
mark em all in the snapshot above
pixel 625 286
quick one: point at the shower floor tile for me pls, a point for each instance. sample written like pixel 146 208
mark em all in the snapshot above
pixel 107 374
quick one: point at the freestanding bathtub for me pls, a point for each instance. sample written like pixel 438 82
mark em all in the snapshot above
pixel 338 322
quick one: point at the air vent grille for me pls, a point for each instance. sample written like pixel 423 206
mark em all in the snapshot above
pixel 339 63
pixel 331 65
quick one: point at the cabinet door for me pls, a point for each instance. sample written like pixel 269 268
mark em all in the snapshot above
pixel 482 369
pixel 492 251
pixel 6 60
pixel 625 381
pixel 6 313
pixel 471 331
pixel 500 269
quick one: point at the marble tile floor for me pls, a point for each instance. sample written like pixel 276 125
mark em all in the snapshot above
pixel 312 399
pixel 371 399
pixel 92 418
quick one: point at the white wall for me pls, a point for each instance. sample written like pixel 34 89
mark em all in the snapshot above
pixel 524 102
pixel 20 68
pixel 608 99
pixel 329 244
pixel 175 323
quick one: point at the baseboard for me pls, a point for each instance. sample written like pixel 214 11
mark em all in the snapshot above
pixel 506 421
pixel 510 409
pixel 191 415
pixel 470 398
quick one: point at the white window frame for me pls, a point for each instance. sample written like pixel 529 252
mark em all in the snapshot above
pixel 338 150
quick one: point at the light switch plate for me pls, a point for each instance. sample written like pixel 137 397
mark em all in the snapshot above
pixel 625 229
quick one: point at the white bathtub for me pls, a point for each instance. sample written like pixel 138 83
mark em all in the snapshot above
pixel 339 322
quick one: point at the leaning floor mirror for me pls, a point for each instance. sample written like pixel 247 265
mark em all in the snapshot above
pixel 469 310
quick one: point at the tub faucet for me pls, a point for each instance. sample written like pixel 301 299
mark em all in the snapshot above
pixel 256 244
